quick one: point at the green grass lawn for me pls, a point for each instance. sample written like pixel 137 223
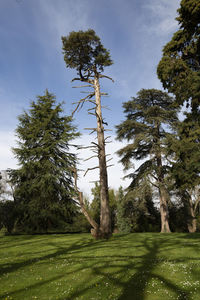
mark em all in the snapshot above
pixel 134 266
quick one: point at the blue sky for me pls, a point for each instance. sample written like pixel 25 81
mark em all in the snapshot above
pixel 31 58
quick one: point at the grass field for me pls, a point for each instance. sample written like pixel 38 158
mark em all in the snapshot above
pixel 127 267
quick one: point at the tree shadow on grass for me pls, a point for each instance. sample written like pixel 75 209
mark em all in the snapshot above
pixel 135 287
pixel 142 266
pixel 80 244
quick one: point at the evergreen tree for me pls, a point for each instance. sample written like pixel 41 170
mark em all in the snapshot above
pixel 43 183
pixel 123 221
pixel 179 68
pixel 140 209
pixel 147 117
pixel 185 170
pixel 84 52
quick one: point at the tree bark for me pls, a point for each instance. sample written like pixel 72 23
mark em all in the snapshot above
pixel 105 223
pixel 164 212
pixel 192 222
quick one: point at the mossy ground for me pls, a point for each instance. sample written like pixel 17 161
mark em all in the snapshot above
pixel 127 267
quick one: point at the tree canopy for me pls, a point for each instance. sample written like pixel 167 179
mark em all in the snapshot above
pixel 84 52
pixel 179 68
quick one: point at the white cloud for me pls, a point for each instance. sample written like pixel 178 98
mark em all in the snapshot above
pixel 61 17
pixel 163 14
pixel 7 141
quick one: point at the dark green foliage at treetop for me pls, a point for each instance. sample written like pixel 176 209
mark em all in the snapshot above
pixel 179 68
pixel 84 52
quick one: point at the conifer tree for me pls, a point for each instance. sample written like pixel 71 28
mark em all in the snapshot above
pixel 84 52
pixel 44 181
pixel 179 67
pixel 185 151
pixel 140 209
pixel 179 72
pixel 147 117
pixel 123 222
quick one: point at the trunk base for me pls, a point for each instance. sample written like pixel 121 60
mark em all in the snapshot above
pixel 165 228
pixel 192 226
pixel 99 235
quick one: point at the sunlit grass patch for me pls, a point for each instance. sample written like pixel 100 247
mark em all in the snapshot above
pixel 134 266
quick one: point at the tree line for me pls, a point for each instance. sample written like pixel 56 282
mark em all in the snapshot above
pixel 162 131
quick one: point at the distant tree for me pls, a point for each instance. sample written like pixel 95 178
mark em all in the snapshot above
pixel 43 184
pixel 95 206
pixel 84 52
pixel 8 214
pixel 184 147
pixel 179 67
pixel 140 209
pixel 123 220
pixel 147 117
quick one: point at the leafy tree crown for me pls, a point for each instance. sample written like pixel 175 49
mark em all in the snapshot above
pixel 84 52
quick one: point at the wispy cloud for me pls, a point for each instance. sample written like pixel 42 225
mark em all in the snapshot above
pixel 7 141
pixel 61 17
pixel 162 14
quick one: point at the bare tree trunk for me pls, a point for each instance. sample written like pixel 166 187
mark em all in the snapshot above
pixel 192 222
pixel 95 231
pixel 164 213
pixel 105 223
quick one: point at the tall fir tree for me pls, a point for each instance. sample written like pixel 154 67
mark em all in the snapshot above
pixel 147 117
pixel 43 183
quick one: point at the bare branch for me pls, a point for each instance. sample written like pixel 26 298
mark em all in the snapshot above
pixel 75 87
pixel 96 145
pixel 104 76
pixel 93 156
pixel 94 181
pixel 92 101
pixel 81 102
pixel 109 159
pixel 88 217
pixel 108 137
pixel 90 169
pixel 89 109
pixel 105 107
pixel 90 129
pixel 85 147
pixel 110 166
pixel 77 78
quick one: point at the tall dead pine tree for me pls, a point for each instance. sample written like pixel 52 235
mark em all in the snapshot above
pixel 84 52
